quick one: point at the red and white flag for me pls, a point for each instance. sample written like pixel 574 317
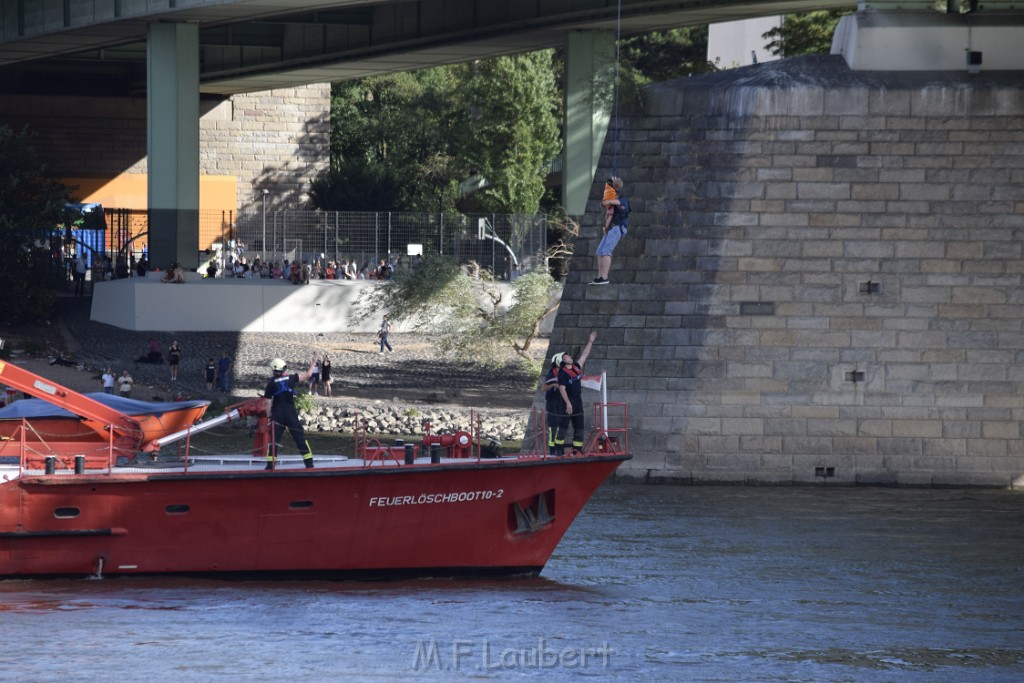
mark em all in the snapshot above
pixel 594 382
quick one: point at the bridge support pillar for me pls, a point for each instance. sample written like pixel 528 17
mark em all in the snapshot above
pixel 172 121
pixel 589 97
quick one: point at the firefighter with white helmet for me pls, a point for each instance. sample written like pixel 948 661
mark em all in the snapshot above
pixel 569 392
pixel 281 392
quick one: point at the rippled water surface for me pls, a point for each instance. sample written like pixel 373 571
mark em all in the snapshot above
pixel 650 584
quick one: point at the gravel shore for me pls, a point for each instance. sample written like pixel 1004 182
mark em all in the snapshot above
pixel 416 375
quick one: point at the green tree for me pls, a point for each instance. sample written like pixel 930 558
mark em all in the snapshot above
pixel 807 33
pixel 408 139
pixel 664 55
pixel 512 131
pixel 469 314
pixel 31 206
pixel 390 144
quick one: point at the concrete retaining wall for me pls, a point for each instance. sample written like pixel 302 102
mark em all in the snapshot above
pixel 241 305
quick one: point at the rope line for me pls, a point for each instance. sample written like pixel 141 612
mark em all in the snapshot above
pixel 615 113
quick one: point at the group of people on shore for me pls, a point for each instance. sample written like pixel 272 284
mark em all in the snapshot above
pixel 303 271
pixel 217 373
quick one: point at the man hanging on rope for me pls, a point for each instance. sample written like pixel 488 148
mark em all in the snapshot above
pixel 614 230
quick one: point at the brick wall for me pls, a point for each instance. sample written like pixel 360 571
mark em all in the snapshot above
pixel 823 277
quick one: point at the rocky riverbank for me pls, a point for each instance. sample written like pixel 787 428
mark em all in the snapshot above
pixel 404 419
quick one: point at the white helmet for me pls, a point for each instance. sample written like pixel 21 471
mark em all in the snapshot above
pixel 277 365
pixel 557 359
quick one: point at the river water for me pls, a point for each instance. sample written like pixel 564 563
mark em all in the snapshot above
pixel 651 584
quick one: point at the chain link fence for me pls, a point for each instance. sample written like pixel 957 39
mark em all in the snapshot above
pixel 500 243
pixel 497 242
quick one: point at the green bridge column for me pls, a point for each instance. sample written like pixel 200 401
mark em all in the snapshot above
pixel 172 87
pixel 589 96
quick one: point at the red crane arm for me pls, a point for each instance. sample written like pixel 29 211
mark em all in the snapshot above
pixel 125 427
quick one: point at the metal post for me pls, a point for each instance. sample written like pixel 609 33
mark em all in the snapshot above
pixel 263 246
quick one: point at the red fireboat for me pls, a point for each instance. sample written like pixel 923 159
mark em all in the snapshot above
pixel 445 506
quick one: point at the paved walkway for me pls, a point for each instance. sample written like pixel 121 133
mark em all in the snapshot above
pixel 414 372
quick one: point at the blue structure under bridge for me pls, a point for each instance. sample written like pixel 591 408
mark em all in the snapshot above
pixel 85 230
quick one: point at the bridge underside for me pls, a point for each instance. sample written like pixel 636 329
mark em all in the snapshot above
pixel 87 47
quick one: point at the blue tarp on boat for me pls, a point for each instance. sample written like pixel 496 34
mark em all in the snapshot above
pixel 36 408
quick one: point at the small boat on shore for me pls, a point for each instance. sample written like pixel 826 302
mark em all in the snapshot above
pixel 438 507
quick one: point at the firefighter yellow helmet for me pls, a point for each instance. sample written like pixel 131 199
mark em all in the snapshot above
pixel 277 365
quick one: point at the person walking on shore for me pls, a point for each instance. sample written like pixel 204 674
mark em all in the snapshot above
pixel 325 375
pixel 173 358
pixel 382 335
pixel 81 268
pixel 211 373
pixel 281 392
pixel 314 379
pixel 125 384
pixel 223 371
pixel 108 380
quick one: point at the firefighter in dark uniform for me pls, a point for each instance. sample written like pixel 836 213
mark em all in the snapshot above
pixel 281 392
pixel 571 393
pixel 554 406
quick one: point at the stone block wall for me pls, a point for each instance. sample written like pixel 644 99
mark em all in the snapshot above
pixel 822 282
pixel 278 139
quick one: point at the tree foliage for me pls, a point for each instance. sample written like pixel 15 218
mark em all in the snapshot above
pixel 31 206
pixel 664 55
pixel 660 56
pixel 807 33
pixel 512 133
pixel 404 141
pixel 391 144
pixel 468 314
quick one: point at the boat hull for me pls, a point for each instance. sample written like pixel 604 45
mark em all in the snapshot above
pixel 487 517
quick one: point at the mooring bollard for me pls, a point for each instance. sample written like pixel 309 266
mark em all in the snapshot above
pixel 79 464
pixel 51 464
pixel 410 456
pixel 435 453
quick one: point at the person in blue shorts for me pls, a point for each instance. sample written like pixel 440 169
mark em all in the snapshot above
pixel 618 226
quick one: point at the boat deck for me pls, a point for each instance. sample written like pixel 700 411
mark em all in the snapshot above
pixel 212 464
